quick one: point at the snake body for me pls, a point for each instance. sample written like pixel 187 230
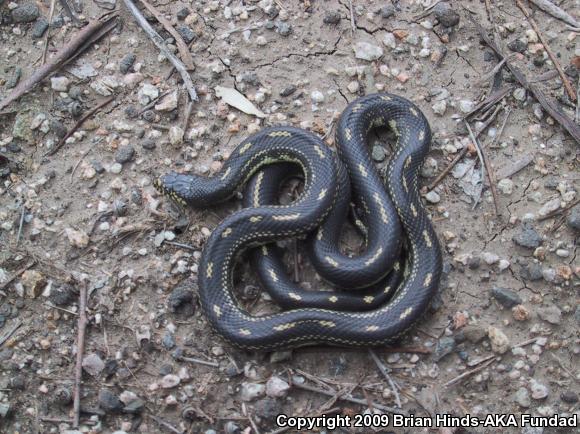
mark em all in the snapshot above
pixel 398 209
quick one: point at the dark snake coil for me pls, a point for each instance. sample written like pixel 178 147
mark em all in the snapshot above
pixel 392 300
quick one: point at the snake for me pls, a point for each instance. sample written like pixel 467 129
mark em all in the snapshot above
pixel 392 202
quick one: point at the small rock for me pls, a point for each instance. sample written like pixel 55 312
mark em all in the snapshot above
pixel 445 346
pixel 489 258
pixel 251 391
pixel 78 239
pixel 267 408
pixel 551 314
pixel 522 397
pixel 527 237
pixel 331 17
pixel 532 272
pixel 186 33
pixel 33 282
pixel 569 397
pixel 25 13
pixel 446 14
pixel 124 154
pixel 520 313
pixel 549 207
pixel 573 220
pixel 474 333
pixel 433 197
pixel 168 341
pixel 127 62
pixel 317 97
pixel 390 41
pixel 519 94
pixel 93 364
pixel 60 84
pixel 466 105
pixel 276 387
pixel 499 341
pixel 170 381
pixel 109 402
pixel 378 153
pixel 39 28
pixel 387 11
pixel 353 86
pixel 539 391
pixel 147 93
pixel 367 51
pixel 506 186
pixel 176 134
pixel 517 45
pixel 439 107
pixel 288 90
pixel 181 301
pixel 4 409
pixel 116 168
pixel 506 297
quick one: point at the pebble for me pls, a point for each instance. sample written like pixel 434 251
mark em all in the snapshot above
pixel 60 84
pixel 4 409
pixel 532 272
pixel 551 314
pixel 39 27
pixel 439 107
pixel 76 238
pixel 520 313
pixel 517 45
pixel 251 391
pixel 93 364
pixel 562 253
pixel 277 387
pixel 147 93
pixel 317 97
pixel 519 94
pixel 33 282
pixel 489 258
pixel 466 105
pixel 506 297
pixel 573 220
pixel 127 62
pixel 445 346
pixel 527 237
pixel 367 51
pixel 503 264
pixel 430 167
pixel 378 153
pixel 124 154
pixel 499 341
pixel 433 197
pixel 116 168
pixel 353 86
pixel 506 186
pixel 387 11
pixel 331 17
pixel 181 301
pixel 446 14
pixel 169 381
pixel 539 391
pixel 288 90
pixel 261 41
pixel 569 397
pixel 109 402
pixel 186 33
pixel 549 275
pixel 548 207
pixel 25 13
pixel 522 397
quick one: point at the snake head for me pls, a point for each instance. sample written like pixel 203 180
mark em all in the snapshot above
pixel 176 186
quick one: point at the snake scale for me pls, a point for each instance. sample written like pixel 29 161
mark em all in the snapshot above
pixel 390 215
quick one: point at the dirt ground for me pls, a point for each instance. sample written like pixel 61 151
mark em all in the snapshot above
pixel 88 217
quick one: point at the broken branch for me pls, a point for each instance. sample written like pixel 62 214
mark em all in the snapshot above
pixel 82 325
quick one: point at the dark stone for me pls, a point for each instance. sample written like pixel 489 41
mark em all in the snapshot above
pixel 182 14
pixel 284 29
pixel 97 166
pixel 488 56
pixel 14 78
pixel 186 33
pixel 577 314
pixel 528 237
pixel 58 128
pixel 474 333
pixel 135 406
pixel 62 396
pixel 270 25
pixel 25 13
pixel 387 11
pixel 168 341
pixel 124 154
pixel 267 408
pixel 531 272
pixel 13 147
pixel 57 22
pixel 573 220
pixel 445 346
pixel 181 301
pixel 136 196
pixel 272 12
pixel 446 14
pixel 378 153
pixel 506 297
pixel 474 262
pixel 250 78
pixel 39 28
pixel 17 382
pixel 165 369
pixel 539 61
pixel 288 90
pixel 569 397
pixel 127 62
pixel 332 17
pixel 75 92
pixel 149 116
pixel 61 296
pixel 109 402
pixel 148 144
pixel 131 112
pixel 517 46
pixel 111 366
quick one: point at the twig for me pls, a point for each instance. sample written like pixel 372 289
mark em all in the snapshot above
pixel 165 423
pixel 200 362
pixel 524 343
pixel 181 45
pixel 569 89
pixel 348 398
pixel 52 306
pixel 484 364
pixel 6 335
pixel 158 41
pixel 253 423
pixel 548 105
pixel 62 57
pixel 559 211
pixel 184 246
pixel 50 15
pixel 16 275
pixel 385 373
pixel 78 163
pixel 20 225
pixel 486 166
pixel 187 115
pixel 82 325
pixel 352 22
pixel 79 123
pixel 556 12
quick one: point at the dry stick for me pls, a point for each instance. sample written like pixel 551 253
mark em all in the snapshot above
pixel 181 45
pixel 567 85
pixel 78 163
pixel 352 23
pixel 485 363
pixel 17 274
pixel 253 423
pixel 82 325
pixel 160 44
pixel 186 115
pixel 6 335
pixel 547 104
pixel 76 126
pixel 348 398
pixel 385 373
pixel 200 362
pixel 50 15
pixel 20 225
pixel 62 57
pixel 556 12
pixel 486 166
pixel 165 424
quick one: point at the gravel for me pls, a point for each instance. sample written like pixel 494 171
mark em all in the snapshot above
pixel 506 297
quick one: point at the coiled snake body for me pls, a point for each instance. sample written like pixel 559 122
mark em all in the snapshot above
pixel 390 214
